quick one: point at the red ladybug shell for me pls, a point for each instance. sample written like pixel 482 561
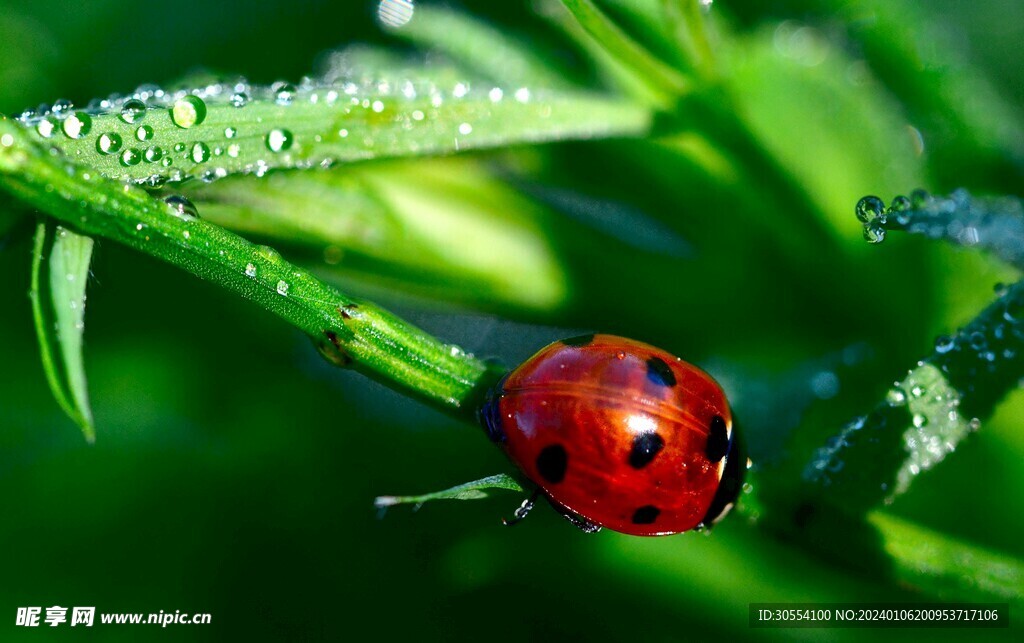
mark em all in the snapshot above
pixel 621 433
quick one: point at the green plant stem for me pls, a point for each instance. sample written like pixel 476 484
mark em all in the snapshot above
pixel 345 330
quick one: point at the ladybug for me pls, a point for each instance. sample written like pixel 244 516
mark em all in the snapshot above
pixel 617 433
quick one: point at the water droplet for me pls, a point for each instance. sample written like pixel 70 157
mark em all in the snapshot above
pixel 200 153
pixel 279 140
pixel 395 13
pixel 77 125
pixel 250 270
pixel 167 162
pixel 919 420
pixel 282 287
pixel 465 129
pixel 919 199
pixel 181 206
pixel 133 111
pixel 144 133
pixel 45 128
pixel 230 132
pixel 153 154
pixel 870 208
pixel 61 108
pixel 284 93
pixel 130 157
pixel 179 147
pixel 233 150
pixel 6 140
pixel 944 344
pixel 896 397
pixel 496 95
pixel 188 111
pixel 109 143
pixel 239 99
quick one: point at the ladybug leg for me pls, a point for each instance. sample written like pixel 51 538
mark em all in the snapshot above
pixel 578 521
pixel 523 510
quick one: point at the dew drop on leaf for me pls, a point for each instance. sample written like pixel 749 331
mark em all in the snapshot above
pixel 188 112
pixel 77 125
pixel 395 13
pixel 239 99
pixel 182 207
pixel 282 287
pixel 153 154
pixel 144 133
pixel 130 157
pixel 45 128
pixel 284 93
pixel 133 111
pixel 200 153
pixel 230 132
pixel 279 140
pixel 109 143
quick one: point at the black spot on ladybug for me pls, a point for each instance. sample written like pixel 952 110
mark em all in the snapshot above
pixel 581 340
pixel 718 440
pixel 552 463
pixel 645 447
pixel 659 372
pixel 645 515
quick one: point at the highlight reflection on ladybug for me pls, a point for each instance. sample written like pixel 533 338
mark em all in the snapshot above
pixel 619 434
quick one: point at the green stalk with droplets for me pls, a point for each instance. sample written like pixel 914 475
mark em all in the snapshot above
pixel 345 330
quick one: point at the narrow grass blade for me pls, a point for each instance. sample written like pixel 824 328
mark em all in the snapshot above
pixel 468 491
pixel 60 270
pixel 479 47
pixel 662 79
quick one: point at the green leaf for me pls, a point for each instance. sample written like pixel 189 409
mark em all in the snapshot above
pixel 230 128
pixel 60 270
pixel 945 566
pixel 661 79
pixel 926 415
pixel 468 491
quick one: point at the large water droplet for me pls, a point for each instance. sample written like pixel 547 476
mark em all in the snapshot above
pixel 279 140
pixel 153 154
pixel 77 125
pixel 133 111
pixel 188 111
pixel 130 157
pixel 144 133
pixel 869 208
pixel 284 93
pixel 109 143
pixel 45 128
pixel 200 153
pixel 181 206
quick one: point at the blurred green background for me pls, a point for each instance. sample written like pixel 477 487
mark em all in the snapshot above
pixel 234 471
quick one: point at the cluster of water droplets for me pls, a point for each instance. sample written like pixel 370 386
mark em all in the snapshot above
pixel 140 111
pixel 375 103
pixel 996 223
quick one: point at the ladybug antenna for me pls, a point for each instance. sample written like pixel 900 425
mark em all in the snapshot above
pixel 523 510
